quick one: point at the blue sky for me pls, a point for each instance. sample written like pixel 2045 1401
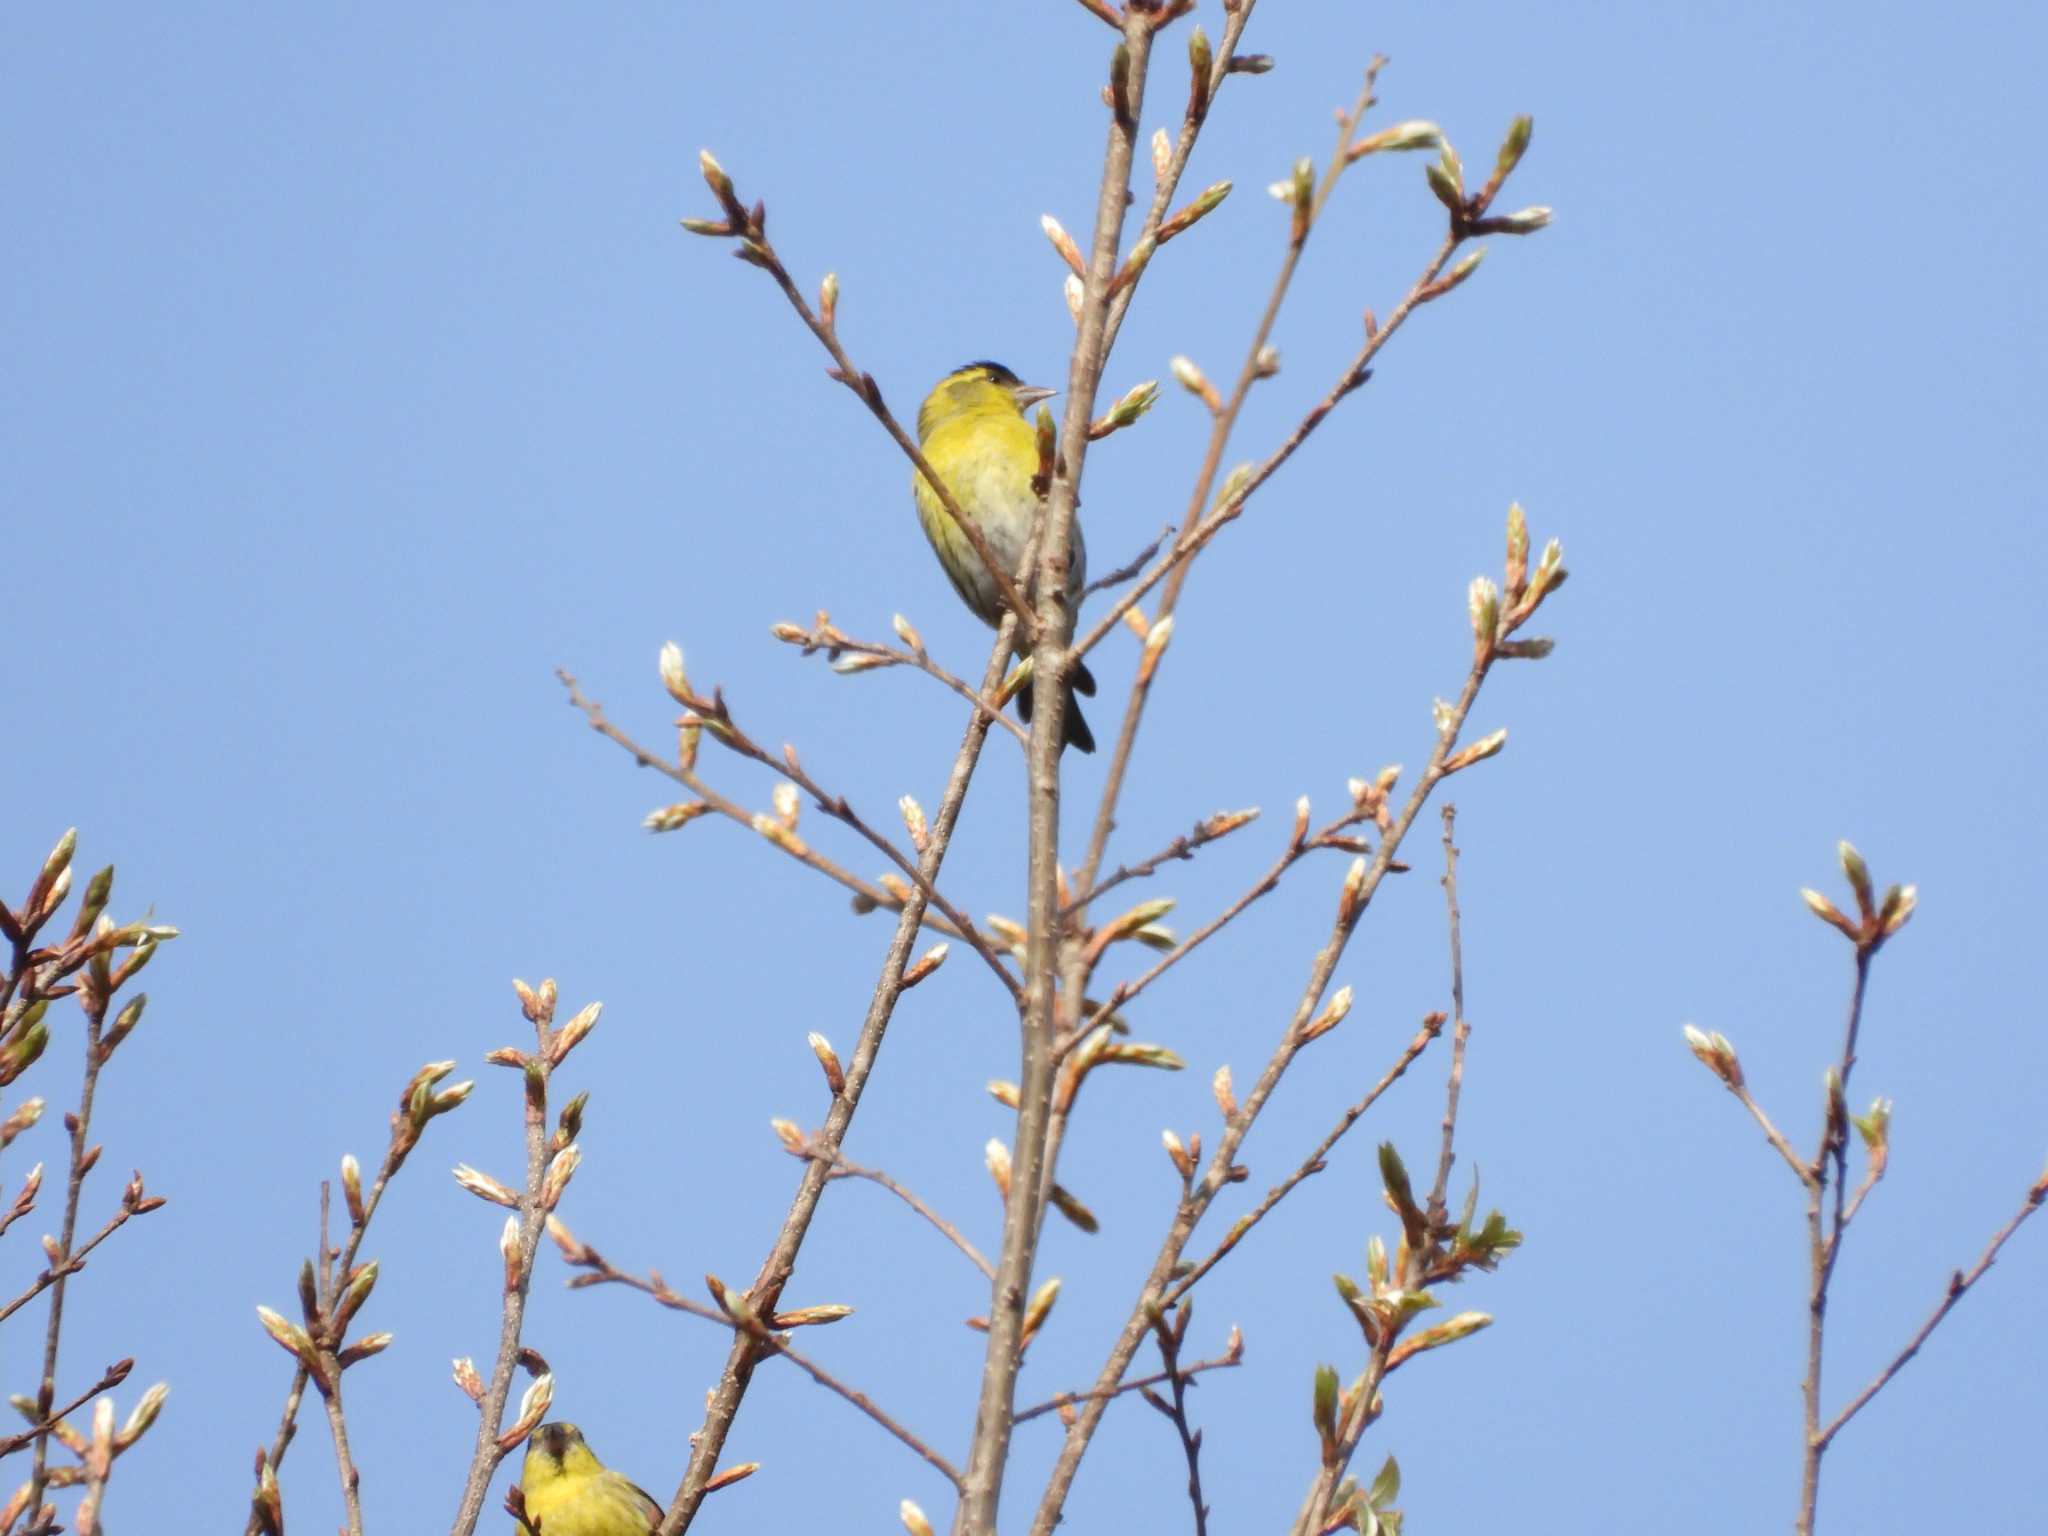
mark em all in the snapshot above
pixel 360 377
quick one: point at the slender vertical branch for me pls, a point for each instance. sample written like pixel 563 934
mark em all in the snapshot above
pixel 1052 658
pixel 288 1425
pixel 1176 1413
pixel 1461 1028
pixel 1219 438
pixel 1824 1242
pixel 94 996
pixel 344 1459
pixel 709 1441
pixel 531 1217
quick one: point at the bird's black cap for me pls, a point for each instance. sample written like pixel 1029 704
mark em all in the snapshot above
pixel 996 371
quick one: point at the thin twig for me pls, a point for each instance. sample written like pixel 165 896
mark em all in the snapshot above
pixel 867 1406
pixel 604 1272
pixel 1958 1286
pixel 1127 571
pixel 69 1266
pixel 110 1378
pixel 755 247
pixel 594 714
pixel 842 1169
pixel 1802 1170
pixel 827 637
pixel 1176 1412
pixel 1461 1027
pixel 1205 528
pixel 1330 836
pixel 1871 1174
pixel 953 921
pixel 1312 1164
pixel 1208 830
pixel 1135 1384
pixel 731 737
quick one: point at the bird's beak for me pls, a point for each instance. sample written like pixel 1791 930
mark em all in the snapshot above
pixel 1031 394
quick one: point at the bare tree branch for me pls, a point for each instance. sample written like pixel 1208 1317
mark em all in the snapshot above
pixel 547 1170
pixel 1958 1286
pixel 952 922
pixel 842 1169
pixel 709 1440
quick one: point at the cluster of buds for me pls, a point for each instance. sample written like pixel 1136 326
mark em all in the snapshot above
pixel 1498 611
pixel 1468 214
pixel 317 1342
pixel 1134 403
pixel 1446 175
pixel 1875 1129
pixel 1431 1250
pixel 1374 796
pixel 83 963
pixel 1140 924
pixel 1101 1048
pixel 748 225
pixel 1876 921
pixel 1716 1055
pixel 96 1453
pixel 1370 1510
pixel 419 1102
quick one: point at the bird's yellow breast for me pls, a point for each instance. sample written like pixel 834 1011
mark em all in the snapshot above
pixel 591 1504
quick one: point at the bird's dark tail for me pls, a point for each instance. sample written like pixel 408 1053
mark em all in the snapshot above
pixel 1074 730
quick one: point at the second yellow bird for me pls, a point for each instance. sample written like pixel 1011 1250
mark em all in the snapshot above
pixel 569 1492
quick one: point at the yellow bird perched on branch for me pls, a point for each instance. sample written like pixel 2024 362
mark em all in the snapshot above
pixel 569 1492
pixel 975 433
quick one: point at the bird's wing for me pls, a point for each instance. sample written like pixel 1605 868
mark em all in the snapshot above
pixel 654 1509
